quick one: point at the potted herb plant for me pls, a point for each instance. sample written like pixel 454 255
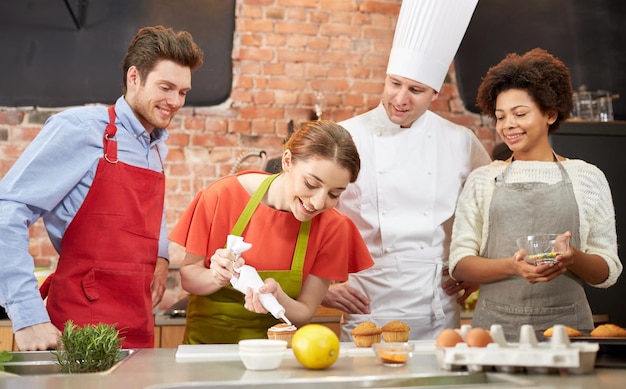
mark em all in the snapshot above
pixel 5 356
pixel 88 349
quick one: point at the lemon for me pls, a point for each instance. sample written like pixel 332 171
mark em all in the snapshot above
pixel 315 346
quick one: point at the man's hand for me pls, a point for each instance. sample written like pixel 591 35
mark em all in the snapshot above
pixel 159 282
pixel 39 337
pixel 453 287
pixel 347 299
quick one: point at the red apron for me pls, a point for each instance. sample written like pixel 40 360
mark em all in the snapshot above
pixel 109 251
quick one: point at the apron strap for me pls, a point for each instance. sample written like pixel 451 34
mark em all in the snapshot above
pixel 500 178
pixel 254 202
pixel 108 139
pixel 300 252
pixel 303 234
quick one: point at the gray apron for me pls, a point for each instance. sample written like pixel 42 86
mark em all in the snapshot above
pixel 520 209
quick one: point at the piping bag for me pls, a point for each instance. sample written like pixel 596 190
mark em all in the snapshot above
pixel 249 278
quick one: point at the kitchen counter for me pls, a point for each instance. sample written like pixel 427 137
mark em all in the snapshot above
pixel 466 318
pixel 159 368
pixel 169 330
pixel 322 316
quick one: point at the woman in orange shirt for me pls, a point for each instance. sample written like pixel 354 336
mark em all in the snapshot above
pixel 300 243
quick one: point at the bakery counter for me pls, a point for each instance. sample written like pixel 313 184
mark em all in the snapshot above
pixel 466 318
pixel 6 335
pixel 160 369
pixel 169 331
pixel 322 316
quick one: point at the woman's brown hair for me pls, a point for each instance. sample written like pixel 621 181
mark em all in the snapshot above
pixel 325 139
pixel 154 44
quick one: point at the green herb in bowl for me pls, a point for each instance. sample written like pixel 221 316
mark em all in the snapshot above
pixel 92 348
pixel 5 356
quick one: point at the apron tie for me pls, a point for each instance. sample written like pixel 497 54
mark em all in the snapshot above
pixel 437 304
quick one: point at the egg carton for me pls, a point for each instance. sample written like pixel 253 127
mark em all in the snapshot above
pixel 528 355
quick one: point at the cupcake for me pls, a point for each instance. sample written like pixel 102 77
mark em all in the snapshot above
pixel 571 332
pixel 366 334
pixel 608 331
pixel 282 331
pixel 396 331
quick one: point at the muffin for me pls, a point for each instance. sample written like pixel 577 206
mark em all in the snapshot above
pixel 396 331
pixel 366 334
pixel 571 332
pixel 608 331
pixel 282 331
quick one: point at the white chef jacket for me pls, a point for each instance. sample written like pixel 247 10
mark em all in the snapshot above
pixel 403 203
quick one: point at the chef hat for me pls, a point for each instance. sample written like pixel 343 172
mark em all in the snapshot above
pixel 428 34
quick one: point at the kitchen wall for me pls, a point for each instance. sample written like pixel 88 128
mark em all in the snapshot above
pixel 284 52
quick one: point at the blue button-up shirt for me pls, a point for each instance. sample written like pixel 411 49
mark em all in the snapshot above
pixel 50 180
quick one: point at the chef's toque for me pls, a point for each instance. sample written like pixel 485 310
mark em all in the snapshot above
pixel 428 35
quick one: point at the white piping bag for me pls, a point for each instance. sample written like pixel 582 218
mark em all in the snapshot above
pixel 249 278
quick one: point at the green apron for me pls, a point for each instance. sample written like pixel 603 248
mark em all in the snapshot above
pixel 221 317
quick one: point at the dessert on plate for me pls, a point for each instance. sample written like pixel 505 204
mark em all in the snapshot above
pixel 282 331
pixel 571 332
pixel 608 331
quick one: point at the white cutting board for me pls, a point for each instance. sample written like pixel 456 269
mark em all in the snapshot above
pixel 222 352
pixel 229 352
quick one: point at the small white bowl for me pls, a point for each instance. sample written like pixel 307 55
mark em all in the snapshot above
pixel 262 344
pixel 262 354
pixel 261 361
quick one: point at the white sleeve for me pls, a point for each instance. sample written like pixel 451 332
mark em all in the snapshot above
pixel 470 218
pixel 597 218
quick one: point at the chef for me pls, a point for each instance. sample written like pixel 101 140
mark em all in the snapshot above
pixel 415 165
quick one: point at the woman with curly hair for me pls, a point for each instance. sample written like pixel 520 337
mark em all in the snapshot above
pixel 534 191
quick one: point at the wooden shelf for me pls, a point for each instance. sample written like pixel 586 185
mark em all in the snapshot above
pixel 6 338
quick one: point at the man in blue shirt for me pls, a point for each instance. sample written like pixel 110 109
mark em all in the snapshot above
pixel 95 176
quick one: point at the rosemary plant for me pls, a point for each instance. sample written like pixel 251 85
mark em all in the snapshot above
pixel 4 357
pixel 92 348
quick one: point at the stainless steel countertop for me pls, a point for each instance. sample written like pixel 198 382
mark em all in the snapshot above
pixel 148 367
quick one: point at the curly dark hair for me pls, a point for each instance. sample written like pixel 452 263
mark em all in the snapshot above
pixel 543 76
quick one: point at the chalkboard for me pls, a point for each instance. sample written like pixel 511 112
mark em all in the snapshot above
pixel 602 144
pixel 587 35
pixel 57 53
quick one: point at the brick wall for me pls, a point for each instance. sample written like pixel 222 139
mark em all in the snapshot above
pixel 284 52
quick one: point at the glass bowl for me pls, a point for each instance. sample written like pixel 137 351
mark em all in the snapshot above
pixel 393 353
pixel 543 248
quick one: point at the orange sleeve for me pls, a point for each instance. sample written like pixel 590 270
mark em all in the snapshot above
pixel 194 225
pixel 205 224
pixel 340 248
pixel 334 250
